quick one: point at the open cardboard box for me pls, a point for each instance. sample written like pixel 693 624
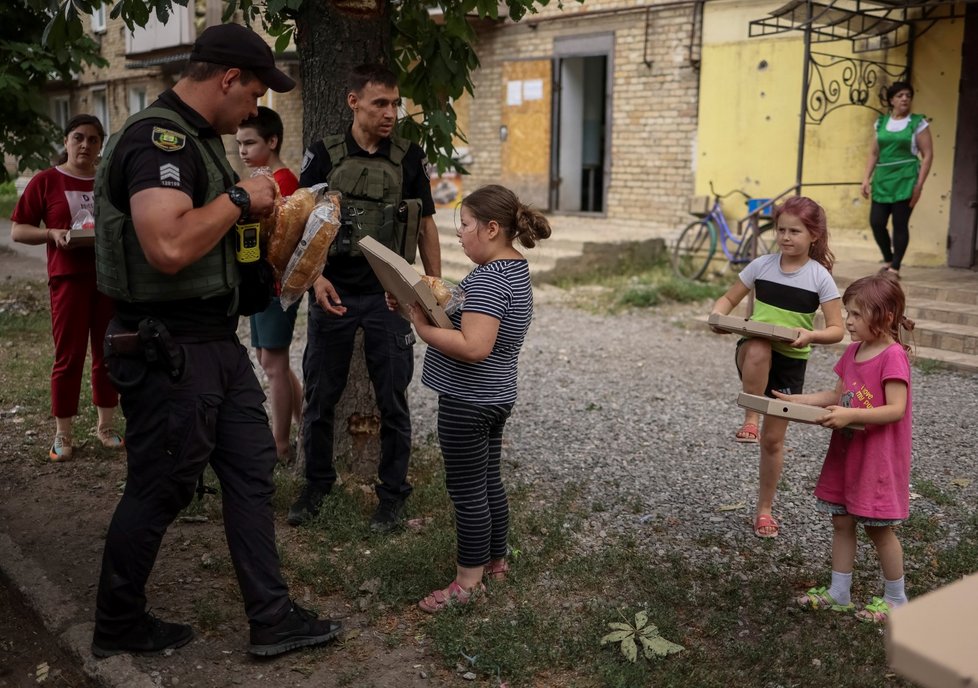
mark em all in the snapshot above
pixel 81 237
pixel 801 413
pixel 751 328
pixel 933 640
pixel 403 282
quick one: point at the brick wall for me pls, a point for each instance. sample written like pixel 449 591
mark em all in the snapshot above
pixel 654 107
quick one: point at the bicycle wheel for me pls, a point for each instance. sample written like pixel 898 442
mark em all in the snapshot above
pixel 765 241
pixel 694 250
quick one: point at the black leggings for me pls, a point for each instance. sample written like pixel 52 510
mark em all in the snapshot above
pixel 471 438
pixel 879 214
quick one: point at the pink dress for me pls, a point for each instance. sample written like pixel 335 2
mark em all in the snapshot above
pixel 868 471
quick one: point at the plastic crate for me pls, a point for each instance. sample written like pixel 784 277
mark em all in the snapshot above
pixel 755 203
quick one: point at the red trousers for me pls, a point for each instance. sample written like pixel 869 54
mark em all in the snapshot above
pixel 79 314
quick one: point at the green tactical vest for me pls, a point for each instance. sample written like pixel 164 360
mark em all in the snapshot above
pixel 122 269
pixel 372 204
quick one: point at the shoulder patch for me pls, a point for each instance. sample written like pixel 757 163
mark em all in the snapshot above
pixel 306 159
pixel 168 140
pixel 425 167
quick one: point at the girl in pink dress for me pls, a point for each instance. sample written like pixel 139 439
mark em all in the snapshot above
pixel 865 478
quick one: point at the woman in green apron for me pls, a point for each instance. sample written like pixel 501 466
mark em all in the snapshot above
pixel 900 159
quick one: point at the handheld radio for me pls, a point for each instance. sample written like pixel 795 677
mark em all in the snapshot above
pixel 247 248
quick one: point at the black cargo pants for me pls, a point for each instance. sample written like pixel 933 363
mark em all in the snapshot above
pixel 210 412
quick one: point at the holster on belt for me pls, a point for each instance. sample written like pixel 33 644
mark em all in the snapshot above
pixel 152 342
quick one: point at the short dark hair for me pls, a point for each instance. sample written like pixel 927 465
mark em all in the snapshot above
pixel 202 71
pixel 268 124
pixel 896 87
pixel 371 73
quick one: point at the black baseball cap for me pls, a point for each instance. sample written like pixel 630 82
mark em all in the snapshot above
pixel 234 45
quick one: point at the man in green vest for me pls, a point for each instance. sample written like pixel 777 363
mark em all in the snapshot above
pixel 167 206
pixel 386 195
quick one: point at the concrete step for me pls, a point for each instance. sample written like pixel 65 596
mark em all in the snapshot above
pixel 960 339
pixel 567 253
pixel 951 312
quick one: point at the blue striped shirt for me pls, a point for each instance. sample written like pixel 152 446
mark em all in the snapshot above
pixel 500 289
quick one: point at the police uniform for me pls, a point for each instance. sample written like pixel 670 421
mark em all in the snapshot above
pixel 188 390
pixel 387 339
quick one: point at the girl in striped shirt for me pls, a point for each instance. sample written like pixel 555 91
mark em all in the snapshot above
pixel 473 368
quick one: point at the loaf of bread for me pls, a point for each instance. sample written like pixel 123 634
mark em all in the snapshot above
pixel 309 257
pixel 290 222
pixel 439 289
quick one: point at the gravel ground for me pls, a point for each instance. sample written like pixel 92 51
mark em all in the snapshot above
pixel 638 410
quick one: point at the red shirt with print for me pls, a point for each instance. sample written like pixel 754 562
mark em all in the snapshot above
pixel 52 198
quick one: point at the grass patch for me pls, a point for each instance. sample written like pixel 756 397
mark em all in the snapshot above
pixel 929 366
pixel 8 198
pixel 930 490
pixel 645 287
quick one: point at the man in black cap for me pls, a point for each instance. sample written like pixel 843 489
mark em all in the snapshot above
pixel 169 211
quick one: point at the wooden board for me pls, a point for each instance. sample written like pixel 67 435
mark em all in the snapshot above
pixel 751 328
pixel 800 413
pixel 403 282
pixel 81 237
pixel 931 640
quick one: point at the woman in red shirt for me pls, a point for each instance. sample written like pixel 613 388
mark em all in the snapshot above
pixel 59 198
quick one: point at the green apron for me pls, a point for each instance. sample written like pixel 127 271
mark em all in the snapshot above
pixel 897 167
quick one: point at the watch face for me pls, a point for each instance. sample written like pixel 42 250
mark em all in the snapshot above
pixel 239 196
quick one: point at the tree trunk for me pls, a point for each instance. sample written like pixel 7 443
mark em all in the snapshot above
pixel 333 37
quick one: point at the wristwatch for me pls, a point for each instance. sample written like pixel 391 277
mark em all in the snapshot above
pixel 240 198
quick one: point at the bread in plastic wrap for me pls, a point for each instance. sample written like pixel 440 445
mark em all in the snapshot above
pixel 268 221
pixel 291 215
pixel 309 257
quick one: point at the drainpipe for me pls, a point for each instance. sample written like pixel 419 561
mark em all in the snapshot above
pixel 804 99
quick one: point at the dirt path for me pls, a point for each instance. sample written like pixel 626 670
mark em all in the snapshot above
pixel 55 516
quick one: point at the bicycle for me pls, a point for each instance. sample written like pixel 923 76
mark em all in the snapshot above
pixel 697 243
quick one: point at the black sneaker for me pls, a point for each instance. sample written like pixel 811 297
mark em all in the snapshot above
pixel 388 516
pixel 148 636
pixel 306 507
pixel 299 628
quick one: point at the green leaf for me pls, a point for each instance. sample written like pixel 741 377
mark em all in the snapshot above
pixel 620 626
pixel 641 618
pixel 617 636
pixel 629 649
pixel 659 647
pixel 650 631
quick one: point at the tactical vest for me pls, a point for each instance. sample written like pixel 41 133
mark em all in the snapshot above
pixel 372 204
pixel 122 269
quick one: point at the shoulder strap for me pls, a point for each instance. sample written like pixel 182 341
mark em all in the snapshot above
pixel 336 148
pixel 399 148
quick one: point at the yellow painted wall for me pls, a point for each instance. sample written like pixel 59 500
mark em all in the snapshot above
pixel 750 104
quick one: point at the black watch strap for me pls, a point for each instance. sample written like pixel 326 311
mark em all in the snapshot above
pixel 240 198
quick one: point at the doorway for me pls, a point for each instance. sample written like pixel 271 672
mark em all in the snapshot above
pixel 962 238
pixel 582 106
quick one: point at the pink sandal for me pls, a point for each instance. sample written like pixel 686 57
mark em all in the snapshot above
pixel 452 595
pixel 496 570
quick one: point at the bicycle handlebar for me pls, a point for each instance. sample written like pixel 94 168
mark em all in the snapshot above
pixel 713 191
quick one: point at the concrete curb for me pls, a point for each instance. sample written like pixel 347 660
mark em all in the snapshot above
pixel 57 611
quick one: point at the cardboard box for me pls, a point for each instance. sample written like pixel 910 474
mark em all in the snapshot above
pixel 403 282
pixel 81 237
pixel 933 640
pixel 750 328
pixel 800 413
